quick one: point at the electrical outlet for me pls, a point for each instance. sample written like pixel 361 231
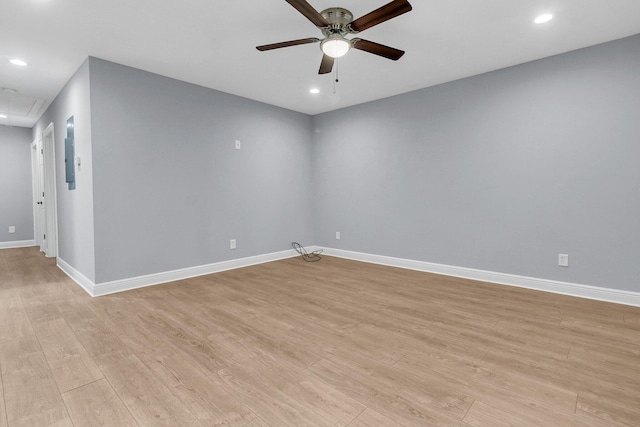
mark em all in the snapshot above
pixel 337 235
pixel 563 260
pixel 12 229
pixel 232 244
pixel 238 144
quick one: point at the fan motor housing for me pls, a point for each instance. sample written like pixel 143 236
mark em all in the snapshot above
pixel 338 17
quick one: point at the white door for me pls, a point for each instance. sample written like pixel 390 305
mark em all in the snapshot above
pixel 50 234
pixel 38 194
pixel 40 203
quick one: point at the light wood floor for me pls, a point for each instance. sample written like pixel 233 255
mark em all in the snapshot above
pixel 291 343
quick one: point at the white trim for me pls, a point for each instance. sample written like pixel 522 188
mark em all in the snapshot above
pixel 82 280
pixel 18 244
pixel 50 199
pixel 107 288
pixel 564 288
pixel 34 188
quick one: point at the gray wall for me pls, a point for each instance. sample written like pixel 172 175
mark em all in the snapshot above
pixel 16 193
pixel 499 172
pixel 75 207
pixel 170 190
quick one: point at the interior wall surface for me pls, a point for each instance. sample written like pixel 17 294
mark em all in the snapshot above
pixel 16 196
pixel 170 188
pixel 499 172
pixel 74 207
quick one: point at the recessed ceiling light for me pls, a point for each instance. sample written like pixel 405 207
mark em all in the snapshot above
pixel 314 91
pixel 19 62
pixel 543 18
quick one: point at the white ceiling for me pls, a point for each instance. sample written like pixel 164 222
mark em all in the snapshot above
pixel 212 44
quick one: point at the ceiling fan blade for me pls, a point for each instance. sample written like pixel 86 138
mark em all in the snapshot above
pixel 378 16
pixel 309 12
pixel 287 44
pixel 377 49
pixel 326 65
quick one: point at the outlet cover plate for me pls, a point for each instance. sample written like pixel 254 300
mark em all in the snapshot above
pixel 563 260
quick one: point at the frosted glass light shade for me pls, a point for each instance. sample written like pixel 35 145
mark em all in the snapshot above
pixel 335 46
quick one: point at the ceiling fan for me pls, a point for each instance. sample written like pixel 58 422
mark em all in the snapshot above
pixel 336 22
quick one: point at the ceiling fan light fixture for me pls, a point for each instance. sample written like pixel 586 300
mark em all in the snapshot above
pixel 335 46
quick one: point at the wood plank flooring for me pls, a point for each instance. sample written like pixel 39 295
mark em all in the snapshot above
pixel 289 343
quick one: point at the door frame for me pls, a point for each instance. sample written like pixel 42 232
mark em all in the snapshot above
pixel 50 199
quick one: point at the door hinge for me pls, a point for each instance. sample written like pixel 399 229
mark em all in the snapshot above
pixel 45 237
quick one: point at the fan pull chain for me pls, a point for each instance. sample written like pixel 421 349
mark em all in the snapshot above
pixel 335 82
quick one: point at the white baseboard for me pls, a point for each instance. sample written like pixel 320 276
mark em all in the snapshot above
pixel 107 288
pixel 564 288
pixel 18 244
pixel 82 280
